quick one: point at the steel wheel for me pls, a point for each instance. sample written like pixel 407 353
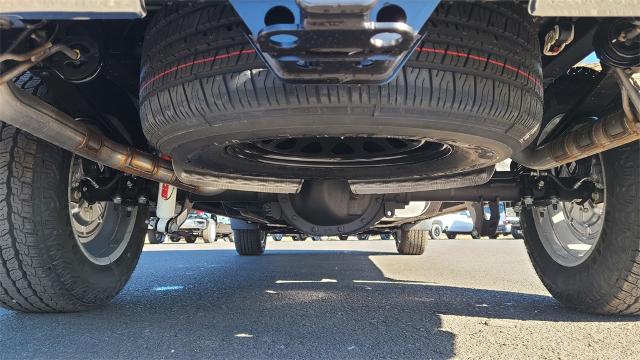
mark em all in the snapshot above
pixel 88 220
pixel 569 231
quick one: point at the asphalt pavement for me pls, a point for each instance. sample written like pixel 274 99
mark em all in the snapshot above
pixel 327 300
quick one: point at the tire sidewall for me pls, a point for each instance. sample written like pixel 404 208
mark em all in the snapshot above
pixel 89 283
pixel 209 234
pixel 590 284
pixel 436 231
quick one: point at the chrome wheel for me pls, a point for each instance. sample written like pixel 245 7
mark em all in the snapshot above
pixel 89 220
pixel 570 231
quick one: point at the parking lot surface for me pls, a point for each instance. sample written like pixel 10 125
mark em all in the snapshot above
pixel 327 300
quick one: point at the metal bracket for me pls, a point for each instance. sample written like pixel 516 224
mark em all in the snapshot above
pixel 177 221
pixel 484 226
pixel 558 38
pixel 330 41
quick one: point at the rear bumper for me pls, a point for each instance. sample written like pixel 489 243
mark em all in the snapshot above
pixel 73 9
pixel 127 9
pixel 584 8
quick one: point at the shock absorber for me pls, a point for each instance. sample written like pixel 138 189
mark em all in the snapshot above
pixel 166 206
pixel 166 219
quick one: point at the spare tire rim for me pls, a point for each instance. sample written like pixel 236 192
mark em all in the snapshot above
pixel 339 151
pixel 87 222
pixel 570 231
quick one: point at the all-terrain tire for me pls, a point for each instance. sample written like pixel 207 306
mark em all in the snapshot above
pixel 476 74
pixel 411 242
pixel 42 268
pixel 250 241
pixel 608 281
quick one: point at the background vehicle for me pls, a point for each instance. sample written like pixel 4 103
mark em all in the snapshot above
pixel 294 237
pixel 155 237
pixel 452 225
pixel 223 228
pixel 512 223
pixel 199 224
pixel 516 229
pixel 254 110
pixel 504 227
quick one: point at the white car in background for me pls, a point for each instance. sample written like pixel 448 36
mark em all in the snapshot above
pixel 198 224
pixel 223 228
pixel 452 225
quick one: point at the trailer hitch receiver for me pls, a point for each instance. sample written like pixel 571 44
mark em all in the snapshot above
pixel 335 41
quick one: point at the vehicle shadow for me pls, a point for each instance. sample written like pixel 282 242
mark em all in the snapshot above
pixel 286 304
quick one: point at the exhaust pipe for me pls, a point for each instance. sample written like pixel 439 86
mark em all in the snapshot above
pixel 34 116
pixel 583 141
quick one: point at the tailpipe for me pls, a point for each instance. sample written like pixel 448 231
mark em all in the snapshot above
pixel 583 141
pixel 34 116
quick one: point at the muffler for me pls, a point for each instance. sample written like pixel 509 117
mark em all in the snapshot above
pixel 592 138
pixel 583 141
pixel 34 116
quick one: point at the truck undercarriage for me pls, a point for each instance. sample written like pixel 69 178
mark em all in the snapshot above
pixel 324 118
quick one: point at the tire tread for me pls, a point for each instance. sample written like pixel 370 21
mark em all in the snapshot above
pixel 248 241
pixel 609 281
pixel 412 242
pixel 234 86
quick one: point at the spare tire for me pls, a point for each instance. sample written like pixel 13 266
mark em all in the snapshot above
pixel 469 97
